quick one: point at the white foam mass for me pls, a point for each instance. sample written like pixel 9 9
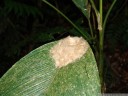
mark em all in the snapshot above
pixel 68 50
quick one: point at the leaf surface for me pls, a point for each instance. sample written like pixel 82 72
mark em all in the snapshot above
pixel 84 6
pixel 36 75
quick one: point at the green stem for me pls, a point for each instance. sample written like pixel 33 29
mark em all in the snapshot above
pixel 90 26
pixel 94 23
pixel 106 17
pixel 94 7
pixel 101 59
pixel 101 37
pixel 101 11
pixel 85 35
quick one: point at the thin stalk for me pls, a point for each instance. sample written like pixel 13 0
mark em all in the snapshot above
pixel 101 11
pixel 94 7
pixel 85 35
pixel 101 59
pixel 106 17
pixel 94 23
pixel 90 26
pixel 101 36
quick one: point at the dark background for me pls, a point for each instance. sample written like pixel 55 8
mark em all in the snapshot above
pixel 28 24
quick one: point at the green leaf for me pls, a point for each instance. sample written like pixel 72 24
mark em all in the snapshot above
pixel 36 75
pixel 84 6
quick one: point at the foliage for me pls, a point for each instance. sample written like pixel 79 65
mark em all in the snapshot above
pixel 23 29
pixel 85 7
pixel 36 74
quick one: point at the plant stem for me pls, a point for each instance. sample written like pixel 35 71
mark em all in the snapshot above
pixel 90 26
pixel 106 17
pixel 101 59
pixel 101 40
pixel 94 23
pixel 94 7
pixel 85 35
pixel 101 11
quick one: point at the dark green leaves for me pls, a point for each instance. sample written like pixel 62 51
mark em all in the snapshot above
pixel 84 6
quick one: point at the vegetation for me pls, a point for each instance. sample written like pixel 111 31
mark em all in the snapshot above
pixel 26 25
pixel 86 8
pixel 40 75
